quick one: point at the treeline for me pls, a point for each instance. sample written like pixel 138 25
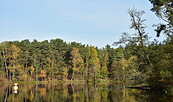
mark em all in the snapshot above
pixel 58 60
pixel 54 59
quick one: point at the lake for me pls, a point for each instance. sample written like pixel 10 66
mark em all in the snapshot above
pixel 78 93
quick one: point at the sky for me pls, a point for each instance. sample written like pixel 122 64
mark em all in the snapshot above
pixel 92 22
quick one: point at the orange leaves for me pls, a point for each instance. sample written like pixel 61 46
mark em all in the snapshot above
pixel 42 74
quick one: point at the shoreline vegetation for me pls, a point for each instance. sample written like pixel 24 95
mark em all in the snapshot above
pixel 59 82
pixel 137 60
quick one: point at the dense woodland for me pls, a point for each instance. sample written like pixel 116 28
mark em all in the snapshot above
pixel 136 59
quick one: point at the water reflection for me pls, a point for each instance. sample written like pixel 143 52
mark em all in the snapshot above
pixel 77 93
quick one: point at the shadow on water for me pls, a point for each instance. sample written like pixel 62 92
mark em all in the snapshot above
pixel 79 93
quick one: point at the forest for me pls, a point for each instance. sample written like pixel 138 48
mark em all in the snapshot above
pixel 134 59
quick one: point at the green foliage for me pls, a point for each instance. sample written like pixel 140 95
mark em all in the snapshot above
pixel 94 60
pixel 164 10
pixel 77 62
pixel 93 64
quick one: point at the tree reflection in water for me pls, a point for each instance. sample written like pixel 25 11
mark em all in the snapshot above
pixel 77 93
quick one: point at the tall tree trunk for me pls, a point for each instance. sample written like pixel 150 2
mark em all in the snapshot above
pixel 86 74
pixel 72 76
pixel 10 76
pixel 5 61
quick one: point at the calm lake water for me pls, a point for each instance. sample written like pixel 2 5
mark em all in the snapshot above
pixel 78 93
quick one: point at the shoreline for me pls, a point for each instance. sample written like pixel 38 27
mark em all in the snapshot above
pixel 58 82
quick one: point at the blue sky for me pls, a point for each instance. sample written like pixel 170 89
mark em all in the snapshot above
pixel 93 22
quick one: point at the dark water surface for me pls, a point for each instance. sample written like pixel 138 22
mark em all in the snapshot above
pixel 78 93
